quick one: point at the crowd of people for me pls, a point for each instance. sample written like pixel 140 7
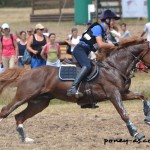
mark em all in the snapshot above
pixel 42 45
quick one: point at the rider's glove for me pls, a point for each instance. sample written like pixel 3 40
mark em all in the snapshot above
pixel 116 43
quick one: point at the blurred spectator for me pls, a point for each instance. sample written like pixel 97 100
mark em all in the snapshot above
pixel 125 33
pixel 30 32
pixel 51 52
pixel 141 66
pixel 146 30
pixel 35 44
pixel 0 31
pixel 73 39
pixel 8 48
pixel 17 33
pixel 21 47
pixel 46 33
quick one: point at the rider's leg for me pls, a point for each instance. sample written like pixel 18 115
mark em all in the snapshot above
pixel 81 54
pixel 73 90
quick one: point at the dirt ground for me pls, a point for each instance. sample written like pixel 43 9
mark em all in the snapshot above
pixel 67 127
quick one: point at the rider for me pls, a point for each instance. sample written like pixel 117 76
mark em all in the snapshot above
pixel 91 40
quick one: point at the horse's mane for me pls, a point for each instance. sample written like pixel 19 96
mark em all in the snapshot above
pixel 124 42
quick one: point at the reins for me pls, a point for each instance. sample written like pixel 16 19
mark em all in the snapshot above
pixel 131 67
pixel 114 67
pixel 139 58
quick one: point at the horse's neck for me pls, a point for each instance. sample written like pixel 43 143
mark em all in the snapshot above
pixel 123 60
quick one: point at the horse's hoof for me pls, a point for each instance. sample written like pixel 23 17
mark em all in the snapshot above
pixel 139 136
pixel 28 140
pixel 147 121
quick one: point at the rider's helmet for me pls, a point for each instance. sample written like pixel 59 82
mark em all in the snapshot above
pixel 108 14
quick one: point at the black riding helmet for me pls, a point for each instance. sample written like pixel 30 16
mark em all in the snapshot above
pixel 108 14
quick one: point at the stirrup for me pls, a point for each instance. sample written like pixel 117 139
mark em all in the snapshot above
pixel 72 91
pixel 78 94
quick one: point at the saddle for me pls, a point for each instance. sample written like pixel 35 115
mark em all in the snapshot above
pixel 69 70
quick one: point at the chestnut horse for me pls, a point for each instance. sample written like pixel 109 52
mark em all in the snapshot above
pixel 37 87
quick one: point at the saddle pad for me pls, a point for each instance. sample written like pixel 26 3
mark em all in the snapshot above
pixel 67 72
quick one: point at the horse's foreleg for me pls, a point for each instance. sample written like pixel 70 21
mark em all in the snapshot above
pixel 32 109
pixel 132 96
pixel 146 104
pixel 116 99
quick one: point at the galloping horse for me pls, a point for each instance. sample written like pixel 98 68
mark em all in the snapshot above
pixel 40 85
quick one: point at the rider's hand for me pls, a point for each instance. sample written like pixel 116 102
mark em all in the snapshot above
pixel 116 43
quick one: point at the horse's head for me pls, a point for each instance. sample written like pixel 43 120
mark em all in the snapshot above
pixel 129 54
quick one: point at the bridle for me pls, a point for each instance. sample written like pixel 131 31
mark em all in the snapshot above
pixel 132 66
pixel 146 51
pixel 140 58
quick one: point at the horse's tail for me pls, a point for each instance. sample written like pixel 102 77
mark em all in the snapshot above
pixel 10 77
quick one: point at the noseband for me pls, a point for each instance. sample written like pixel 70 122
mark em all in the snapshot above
pixel 139 58
pixel 146 51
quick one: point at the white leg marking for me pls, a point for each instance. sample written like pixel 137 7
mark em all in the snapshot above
pixel 20 126
pixel 28 140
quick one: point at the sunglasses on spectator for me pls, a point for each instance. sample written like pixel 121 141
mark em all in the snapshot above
pixel 41 29
pixel 6 28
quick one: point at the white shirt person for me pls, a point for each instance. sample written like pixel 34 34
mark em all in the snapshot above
pixel 73 39
pixel 146 30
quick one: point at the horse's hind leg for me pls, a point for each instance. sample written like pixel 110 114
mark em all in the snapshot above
pixel 18 100
pixel 146 104
pixel 116 99
pixel 6 110
pixel 31 110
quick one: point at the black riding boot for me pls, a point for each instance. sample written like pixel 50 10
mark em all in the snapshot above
pixel 73 90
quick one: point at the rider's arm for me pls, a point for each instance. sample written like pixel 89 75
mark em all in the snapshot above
pixel 97 32
pixel 102 44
